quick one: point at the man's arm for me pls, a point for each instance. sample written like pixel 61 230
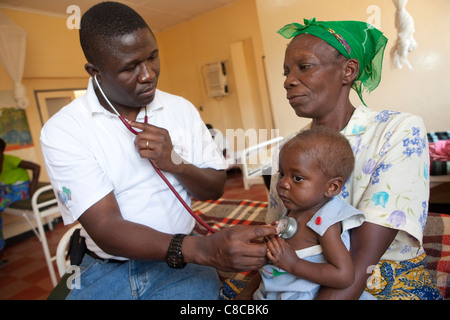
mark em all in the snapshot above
pixel 368 244
pixel 202 184
pixel 116 236
pixel 229 249
pixel 155 144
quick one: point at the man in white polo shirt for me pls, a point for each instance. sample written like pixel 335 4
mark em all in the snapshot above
pixel 137 232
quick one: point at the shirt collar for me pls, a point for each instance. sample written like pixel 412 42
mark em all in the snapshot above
pixel 95 107
pixel 360 121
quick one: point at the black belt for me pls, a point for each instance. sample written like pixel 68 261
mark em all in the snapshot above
pixel 93 255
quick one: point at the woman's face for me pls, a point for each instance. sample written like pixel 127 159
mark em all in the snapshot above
pixel 314 72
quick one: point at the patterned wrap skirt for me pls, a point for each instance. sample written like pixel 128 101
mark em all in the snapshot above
pixel 404 280
pixel 10 194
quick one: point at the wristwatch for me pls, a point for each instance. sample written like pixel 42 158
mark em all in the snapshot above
pixel 174 258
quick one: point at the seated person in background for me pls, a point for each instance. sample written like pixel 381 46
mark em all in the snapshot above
pixel 15 183
pixel 313 167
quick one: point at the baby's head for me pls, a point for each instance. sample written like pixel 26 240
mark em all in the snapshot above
pixel 314 166
pixel 329 148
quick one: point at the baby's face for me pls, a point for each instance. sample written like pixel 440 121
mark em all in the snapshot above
pixel 301 184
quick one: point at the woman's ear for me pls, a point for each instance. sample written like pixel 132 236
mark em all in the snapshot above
pixel 334 187
pixel 351 71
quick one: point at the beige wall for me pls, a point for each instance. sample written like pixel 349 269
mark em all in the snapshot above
pixel 425 90
pixel 211 37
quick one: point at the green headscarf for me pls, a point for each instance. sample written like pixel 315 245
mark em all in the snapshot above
pixel 354 39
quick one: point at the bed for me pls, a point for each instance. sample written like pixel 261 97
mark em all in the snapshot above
pixel 439 157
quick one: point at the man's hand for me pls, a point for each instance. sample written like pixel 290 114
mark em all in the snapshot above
pixel 154 143
pixel 234 249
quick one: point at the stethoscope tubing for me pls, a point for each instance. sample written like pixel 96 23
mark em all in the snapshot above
pixel 163 177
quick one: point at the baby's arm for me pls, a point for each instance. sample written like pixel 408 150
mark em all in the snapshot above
pixel 336 273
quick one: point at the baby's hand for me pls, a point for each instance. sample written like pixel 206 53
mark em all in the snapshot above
pixel 280 253
pixel 274 249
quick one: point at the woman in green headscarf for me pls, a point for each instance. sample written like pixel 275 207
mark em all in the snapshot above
pixel 390 182
pixel 353 40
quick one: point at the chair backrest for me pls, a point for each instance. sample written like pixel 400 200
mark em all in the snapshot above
pixel 41 210
pixel 44 208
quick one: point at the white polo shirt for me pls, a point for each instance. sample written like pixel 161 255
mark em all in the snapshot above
pixel 88 153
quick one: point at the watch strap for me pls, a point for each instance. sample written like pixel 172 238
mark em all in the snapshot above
pixel 174 257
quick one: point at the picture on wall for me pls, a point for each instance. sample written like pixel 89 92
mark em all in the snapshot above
pixel 14 129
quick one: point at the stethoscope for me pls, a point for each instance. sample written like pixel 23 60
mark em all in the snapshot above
pixel 132 130
pixel 288 227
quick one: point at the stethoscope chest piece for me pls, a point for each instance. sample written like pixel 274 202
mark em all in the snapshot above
pixel 287 226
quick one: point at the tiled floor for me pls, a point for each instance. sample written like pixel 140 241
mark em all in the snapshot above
pixel 26 277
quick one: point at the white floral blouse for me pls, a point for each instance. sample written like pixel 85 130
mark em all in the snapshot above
pixel 390 182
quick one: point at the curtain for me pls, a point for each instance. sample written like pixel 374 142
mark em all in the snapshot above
pixel 12 55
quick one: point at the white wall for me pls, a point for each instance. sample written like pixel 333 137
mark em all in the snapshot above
pixel 425 90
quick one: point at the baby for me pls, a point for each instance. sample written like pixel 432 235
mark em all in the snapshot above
pixel 313 168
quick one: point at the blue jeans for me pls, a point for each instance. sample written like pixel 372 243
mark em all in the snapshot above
pixel 144 280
